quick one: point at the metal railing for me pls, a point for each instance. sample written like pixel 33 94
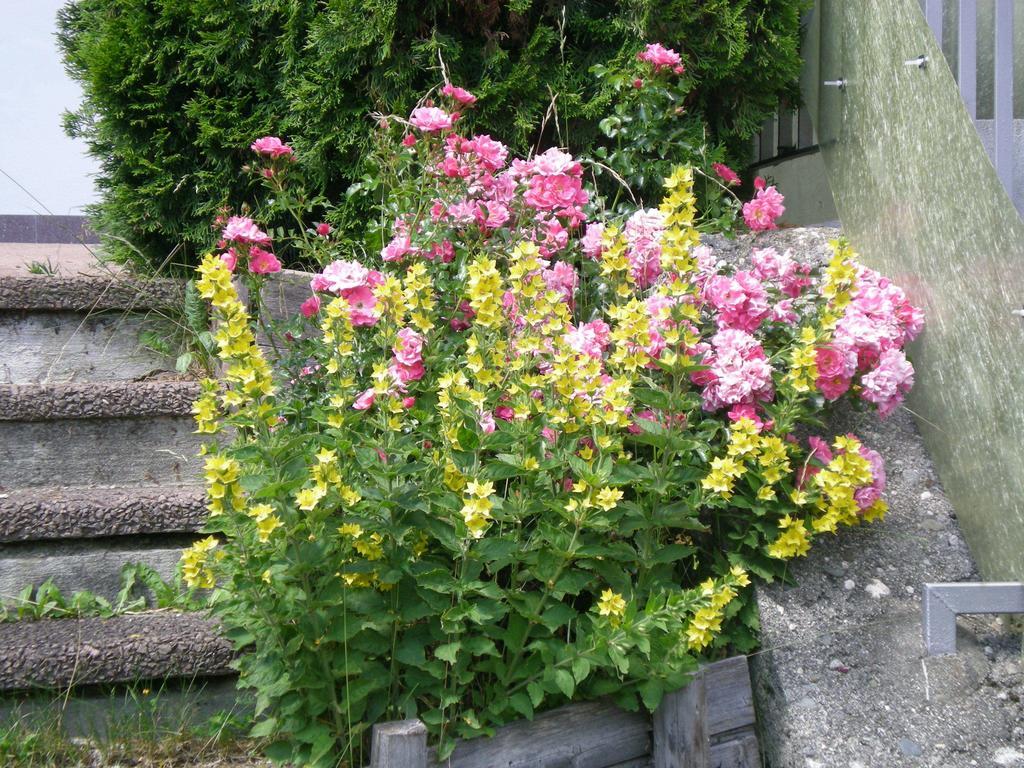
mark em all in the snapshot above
pixel 960 28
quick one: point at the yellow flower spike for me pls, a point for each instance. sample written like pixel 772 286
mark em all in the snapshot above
pixel 195 568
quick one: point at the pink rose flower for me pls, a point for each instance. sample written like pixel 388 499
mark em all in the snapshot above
pixel 310 306
pixel 365 400
pixel 323 229
pixel 408 402
pixel 725 173
pixel 592 242
pixel 836 366
pixel 430 119
pixel 486 422
pixel 761 212
pixel 408 140
pixel 660 57
pixel 271 146
pixel 361 306
pixel 262 262
pixel 460 95
pixel 868 495
pixel 230 259
pixel 399 246
pixel 505 412
pixel 408 348
pixel 242 229
pixel 886 385
pixel 340 276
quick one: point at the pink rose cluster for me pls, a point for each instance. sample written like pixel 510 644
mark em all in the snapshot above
pixel 762 212
pixel 247 239
pixel 478 191
pixel 643 233
pixel 868 341
pixel 738 371
pixel 354 283
pixel 660 57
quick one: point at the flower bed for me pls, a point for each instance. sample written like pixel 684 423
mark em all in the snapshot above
pixel 527 455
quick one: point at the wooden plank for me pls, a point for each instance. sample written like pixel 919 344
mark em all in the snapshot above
pixel 399 744
pixel 730 700
pixel 680 728
pixel 593 734
pixel 742 752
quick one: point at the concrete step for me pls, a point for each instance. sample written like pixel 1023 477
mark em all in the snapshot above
pixel 81 329
pixel 59 653
pixel 88 294
pixel 53 513
pixel 86 565
pixel 114 433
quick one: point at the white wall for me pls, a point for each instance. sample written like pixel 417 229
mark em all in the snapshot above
pixel 34 91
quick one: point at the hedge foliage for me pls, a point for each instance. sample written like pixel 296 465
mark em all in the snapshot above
pixel 175 90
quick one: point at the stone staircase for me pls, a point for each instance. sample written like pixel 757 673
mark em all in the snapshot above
pixel 98 469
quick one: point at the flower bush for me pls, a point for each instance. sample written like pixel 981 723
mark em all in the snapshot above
pixel 528 452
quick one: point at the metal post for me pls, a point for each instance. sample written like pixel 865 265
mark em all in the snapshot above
pixel 944 602
pixel 1002 158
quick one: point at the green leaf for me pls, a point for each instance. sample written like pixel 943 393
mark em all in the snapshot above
pixel 565 682
pixel 580 669
pixel 448 652
pixel 652 691
pixel 264 728
pixel 521 703
pixel 536 693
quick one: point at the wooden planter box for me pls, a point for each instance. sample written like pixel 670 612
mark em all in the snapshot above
pixel 708 724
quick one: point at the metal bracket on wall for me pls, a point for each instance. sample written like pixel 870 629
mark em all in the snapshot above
pixel 943 602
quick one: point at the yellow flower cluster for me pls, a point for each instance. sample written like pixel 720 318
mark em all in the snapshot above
pixel 246 371
pixel 840 279
pixel 588 497
pixel 838 482
pixel 611 605
pixel 707 620
pixel 615 266
pixel 206 408
pixel 477 506
pixel 266 520
pixel 803 365
pixel 418 292
pixel 485 292
pixel 196 567
pixel 793 541
pixel 680 209
pixel 221 475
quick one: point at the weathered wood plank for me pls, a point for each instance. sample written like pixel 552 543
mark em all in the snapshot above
pixel 399 744
pixel 591 734
pixel 680 728
pixel 742 752
pixel 729 696
pixel 597 734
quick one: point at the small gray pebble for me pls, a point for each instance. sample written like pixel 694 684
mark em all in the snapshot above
pixel 910 748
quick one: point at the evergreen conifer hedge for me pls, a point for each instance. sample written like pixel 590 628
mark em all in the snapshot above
pixel 175 90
